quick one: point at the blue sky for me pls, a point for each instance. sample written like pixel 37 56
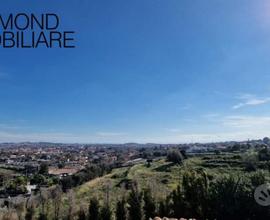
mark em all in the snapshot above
pixel 165 71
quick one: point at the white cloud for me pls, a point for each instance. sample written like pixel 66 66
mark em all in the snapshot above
pixel 201 137
pixel 173 130
pixel 250 100
pixel 54 136
pixel 240 121
pixel 211 116
pixel 110 134
pixel 8 136
pixel 221 128
pixel 181 137
pixel 11 127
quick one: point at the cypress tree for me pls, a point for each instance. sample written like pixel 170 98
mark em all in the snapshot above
pixel 30 212
pixel 135 204
pixel 164 207
pixel 121 212
pixel 42 216
pixel 81 215
pixel 149 205
pixel 93 209
pixel 105 213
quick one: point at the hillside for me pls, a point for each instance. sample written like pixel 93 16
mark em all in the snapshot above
pixel 161 176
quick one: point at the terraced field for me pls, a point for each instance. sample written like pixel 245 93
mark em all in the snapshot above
pixel 161 176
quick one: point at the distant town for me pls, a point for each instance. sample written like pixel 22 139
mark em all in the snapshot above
pixel 32 175
pixel 35 165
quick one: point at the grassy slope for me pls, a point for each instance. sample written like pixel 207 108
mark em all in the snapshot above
pixel 162 177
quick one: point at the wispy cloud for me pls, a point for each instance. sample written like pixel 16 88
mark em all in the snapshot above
pixel 18 124
pixel 241 121
pixel 110 134
pixel 221 128
pixel 250 100
pixel 11 136
pixel 203 137
pixel 20 136
pixel 8 126
pixel 217 127
pixel 174 130
pixel 17 132
pixel 211 116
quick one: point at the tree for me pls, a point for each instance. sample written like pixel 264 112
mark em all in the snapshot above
pixel 236 147
pixel 105 213
pixel 149 161
pixel 163 208
pixel 135 204
pixel 71 212
pixel 266 140
pixel 195 193
pixel 61 165
pixel 43 201
pixel 44 169
pixel 264 154
pixel 30 212
pixel 250 166
pixel 21 180
pixel 121 212
pixel 81 215
pixel 93 209
pixel 184 153
pixel 38 179
pixel 149 204
pixel 56 200
pixel 178 204
pixel 16 186
pixel 258 178
pixel 67 183
pixel 175 156
pixel 42 216
pixel 230 199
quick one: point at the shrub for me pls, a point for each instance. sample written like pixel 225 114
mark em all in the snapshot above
pixel 175 156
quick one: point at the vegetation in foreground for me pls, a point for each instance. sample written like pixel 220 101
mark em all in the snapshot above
pixel 209 186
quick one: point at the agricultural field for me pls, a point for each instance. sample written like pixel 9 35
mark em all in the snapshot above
pixel 162 176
